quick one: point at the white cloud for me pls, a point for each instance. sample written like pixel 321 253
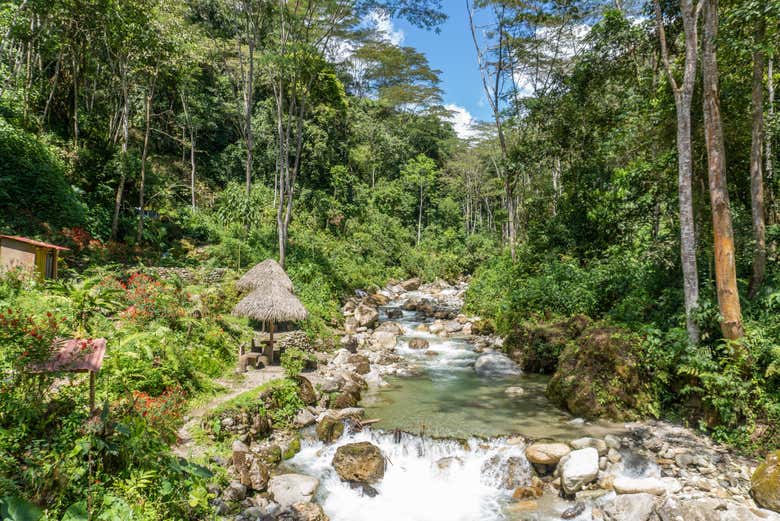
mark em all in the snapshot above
pixel 462 121
pixel 384 25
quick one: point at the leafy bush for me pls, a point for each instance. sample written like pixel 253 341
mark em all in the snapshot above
pixel 294 361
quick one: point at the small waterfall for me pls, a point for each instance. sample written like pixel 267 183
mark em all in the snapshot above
pixel 425 480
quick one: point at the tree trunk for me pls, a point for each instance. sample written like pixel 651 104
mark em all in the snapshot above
pixel 248 100
pixel 144 155
pixel 756 174
pixel 770 174
pixel 683 95
pixel 123 156
pixel 725 268
pixel 419 215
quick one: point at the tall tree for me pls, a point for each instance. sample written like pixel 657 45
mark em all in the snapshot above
pixel 756 149
pixel 683 98
pixel 725 262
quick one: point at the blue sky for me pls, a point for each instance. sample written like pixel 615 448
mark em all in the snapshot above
pixel 452 52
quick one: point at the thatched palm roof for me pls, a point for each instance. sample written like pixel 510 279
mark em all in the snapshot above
pixel 272 303
pixel 264 274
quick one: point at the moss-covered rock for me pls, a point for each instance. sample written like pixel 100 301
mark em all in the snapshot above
pixel 765 483
pixel 600 375
pixel 536 347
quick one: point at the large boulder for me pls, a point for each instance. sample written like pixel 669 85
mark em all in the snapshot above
pixel 765 483
pixel 601 375
pixel 359 462
pixel 329 429
pixel 391 327
pixel 292 489
pixel 578 468
pixel 536 347
pixel 495 364
pixel 366 316
pixel 360 362
pixel 546 453
pixel 411 284
pixel 631 507
pixel 383 339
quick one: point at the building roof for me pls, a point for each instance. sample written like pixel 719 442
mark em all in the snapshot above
pixel 76 356
pixel 40 244
pixel 273 303
pixel 265 273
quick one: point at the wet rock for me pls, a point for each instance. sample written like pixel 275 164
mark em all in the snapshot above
pixel 292 489
pixel 365 490
pixel 578 468
pixel 453 326
pixel 361 462
pixel 329 429
pixel 418 343
pixel 447 462
pixel 514 392
pixel 710 509
pixel 632 507
pixel 546 453
pixel 506 472
pixel 393 313
pixel 765 483
pixel 613 442
pixel 495 364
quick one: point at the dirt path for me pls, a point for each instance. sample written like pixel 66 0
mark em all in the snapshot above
pixel 186 447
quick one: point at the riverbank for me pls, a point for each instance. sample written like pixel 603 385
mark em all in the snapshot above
pixel 411 333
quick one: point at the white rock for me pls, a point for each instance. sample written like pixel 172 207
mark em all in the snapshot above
pixel 628 485
pixel 495 364
pixel 304 418
pixel 581 443
pixel 631 507
pixel 578 468
pixel 383 339
pixel 289 489
pixel 514 392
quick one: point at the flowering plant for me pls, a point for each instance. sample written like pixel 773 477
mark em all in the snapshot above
pixel 164 412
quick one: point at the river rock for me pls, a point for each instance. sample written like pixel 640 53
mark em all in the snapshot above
pixel 418 343
pixel 393 313
pixel 411 284
pixel 303 512
pixel 506 472
pixel 292 489
pixel 495 364
pixel 234 492
pixel 631 507
pixel 361 462
pixel 366 316
pixel 306 390
pixel 383 339
pixel 709 509
pixel 453 326
pixel 613 442
pixel 765 483
pixel 329 429
pixel 303 418
pixel 390 327
pixel 514 392
pixel 350 325
pixel 629 485
pixel 581 443
pixel 360 363
pixel 578 468
pixel 546 453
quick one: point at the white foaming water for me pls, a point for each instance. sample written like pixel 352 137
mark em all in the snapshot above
pixel 467 487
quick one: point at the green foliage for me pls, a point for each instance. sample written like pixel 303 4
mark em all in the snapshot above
pixel 33 187
pixel 294 361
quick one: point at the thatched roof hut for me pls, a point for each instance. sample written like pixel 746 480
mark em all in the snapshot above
pixel 265 274
pixel 271 303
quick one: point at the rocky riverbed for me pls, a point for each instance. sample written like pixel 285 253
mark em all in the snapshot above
pixel 342 465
